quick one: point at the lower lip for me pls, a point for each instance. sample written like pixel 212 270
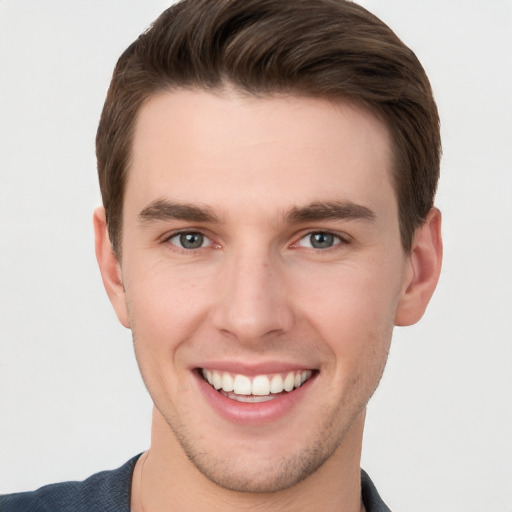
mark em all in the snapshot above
pixel 255 413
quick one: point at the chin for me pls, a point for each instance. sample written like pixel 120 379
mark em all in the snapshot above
pixel 251 475
pixel 266 467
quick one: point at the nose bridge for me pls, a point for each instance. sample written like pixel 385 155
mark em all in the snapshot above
pixel 252 299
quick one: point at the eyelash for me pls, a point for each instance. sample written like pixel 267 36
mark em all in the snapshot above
pixel 189 233
pixel 337 240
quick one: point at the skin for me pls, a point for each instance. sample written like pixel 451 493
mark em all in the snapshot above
pixel 258 292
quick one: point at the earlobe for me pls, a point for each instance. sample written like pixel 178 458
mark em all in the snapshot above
pixel 422 274
pixel 110 267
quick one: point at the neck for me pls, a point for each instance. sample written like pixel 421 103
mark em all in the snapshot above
pixel 164 479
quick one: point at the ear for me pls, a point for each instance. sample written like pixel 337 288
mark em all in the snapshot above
pixel 110 267
pixel 422 272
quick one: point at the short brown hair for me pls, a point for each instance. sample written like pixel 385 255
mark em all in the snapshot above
pixel 321 48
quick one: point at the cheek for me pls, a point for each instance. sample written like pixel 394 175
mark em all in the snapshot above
pixel 166 312
pixel 352 308
pixel 165 308
pixel 355 291
pixel 355 321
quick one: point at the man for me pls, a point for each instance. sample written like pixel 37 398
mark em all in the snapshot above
pixel 268 171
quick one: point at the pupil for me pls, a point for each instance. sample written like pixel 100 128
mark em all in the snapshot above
pixel 191 240
pixel 322 240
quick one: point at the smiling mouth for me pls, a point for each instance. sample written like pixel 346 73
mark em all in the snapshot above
pixel 255 389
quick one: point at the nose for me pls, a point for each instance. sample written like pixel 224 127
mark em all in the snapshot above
pixel 252 303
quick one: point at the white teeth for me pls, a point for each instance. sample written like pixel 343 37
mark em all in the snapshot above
pixel 289 381
pixel 217 380
pixel 276 384
pixel 242 385
pixel 258 386
pixel 228 384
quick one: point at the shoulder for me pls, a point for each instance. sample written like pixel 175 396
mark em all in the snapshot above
pixel 105 491
pixel 371 499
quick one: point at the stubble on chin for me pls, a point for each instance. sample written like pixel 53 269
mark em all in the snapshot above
pixel 264 475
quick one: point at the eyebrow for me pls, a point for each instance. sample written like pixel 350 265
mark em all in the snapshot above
pixel 329 210
pixel 162 210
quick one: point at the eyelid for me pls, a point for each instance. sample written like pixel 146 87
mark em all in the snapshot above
pixel 341 238
pixel 166 239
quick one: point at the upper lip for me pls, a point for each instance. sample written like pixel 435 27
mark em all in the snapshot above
pixel 244 368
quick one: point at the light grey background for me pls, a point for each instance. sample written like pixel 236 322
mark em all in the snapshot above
pixel 439 429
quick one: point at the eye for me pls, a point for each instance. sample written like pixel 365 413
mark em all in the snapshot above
pixel 319 240
pixel 190 240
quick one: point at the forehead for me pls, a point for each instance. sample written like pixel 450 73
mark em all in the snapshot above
pixel 226 149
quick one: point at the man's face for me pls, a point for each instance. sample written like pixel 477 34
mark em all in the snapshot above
pixel 261 251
